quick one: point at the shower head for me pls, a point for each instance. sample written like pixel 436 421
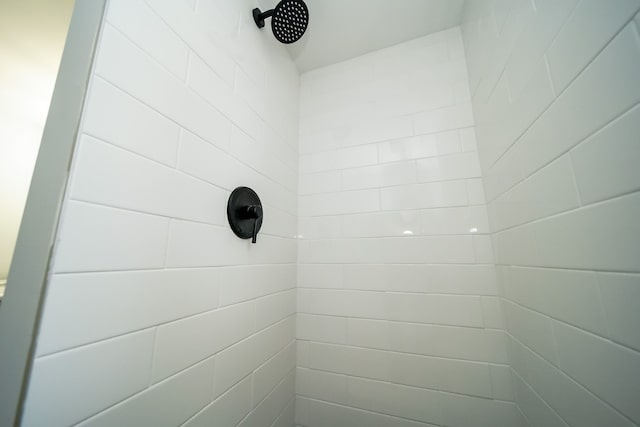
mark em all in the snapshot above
pixel 289 20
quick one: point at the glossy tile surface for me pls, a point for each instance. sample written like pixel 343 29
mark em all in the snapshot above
pixel 156 313
pixel 557 138
pixel 394 251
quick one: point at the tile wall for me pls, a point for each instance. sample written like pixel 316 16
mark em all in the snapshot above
pixel 556 91
pixel 398 319
pixel 156 314
pixel 409 176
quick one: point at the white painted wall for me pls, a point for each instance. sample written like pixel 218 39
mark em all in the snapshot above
pixel 555 87
pixel 398 319
pixel 156 314
pixel 31 44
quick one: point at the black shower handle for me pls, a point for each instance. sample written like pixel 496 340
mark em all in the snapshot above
pixel 252 212
pixel 245 213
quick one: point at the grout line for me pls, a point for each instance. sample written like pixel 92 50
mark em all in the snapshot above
pixel 570 84
pixel 570 211
pixel 554 91
pixel 574 179
pixel 355 408
pixel 567 376
pixel 519 377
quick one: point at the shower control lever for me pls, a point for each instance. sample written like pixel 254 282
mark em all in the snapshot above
pixel 252 212
pixel 244 212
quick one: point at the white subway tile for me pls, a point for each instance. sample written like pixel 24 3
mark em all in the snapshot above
pixel 269 375
pixel 416 147
pixel 255 153
pixel 243 283
pixel 272 250
pixel 200 245
pixel 380 130
pixel 614 379
pixel 143 27
pixel 534 40
pixel 534 408
pixel 423 196
pixel 158 405
pixel 489 128
pixel 575 115
pixel 86 239
pixel 207 162
pixel 339 203
pixel 321 328
pixel 384 277
pixel 379 176
pixel 324 414
pixel 573 402
pixel 239 360
pixel 550 190
pixel 576 297
pixel 503 175
pixel 532 329
pixel 467 411
pixel 518 17
pixel 583 35
pixel 272 308
pixel 517 246
pixel 182 343
pixel 122 120
pixel 533 99
pixel 620 294
pixel 322 182
pixel 346 360
pixel 322 385
pixel 475 192
pixel 128 68
pixel 425 339
pixel 113 370
pixel 152 297
pixel 288 414
pixel 342 303
pixel 601 237
pixel 443 119
pixel 343 158
pixel 456 166
pixel 319 275
pixel 458 310
pixel 468 139
pixel 269 409
pixel 392 399
pixel 483 249
pixel 321 227
pixel 429 249
pixel 110 176
pixel 463 279
pixel 492 313
pixel 227 409
pixel 501 382
pixel 457 376
pixel 605 164
pixel 383 224
pixel 192 29
pixel 374 334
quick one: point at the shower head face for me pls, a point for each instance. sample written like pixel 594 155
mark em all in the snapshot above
pixel 289 20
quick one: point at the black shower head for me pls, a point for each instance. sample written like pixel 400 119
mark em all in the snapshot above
pixel 289 20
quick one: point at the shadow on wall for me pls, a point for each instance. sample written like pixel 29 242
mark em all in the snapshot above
pixel 31 43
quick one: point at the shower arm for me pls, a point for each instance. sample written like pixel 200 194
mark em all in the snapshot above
pixel 259 16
